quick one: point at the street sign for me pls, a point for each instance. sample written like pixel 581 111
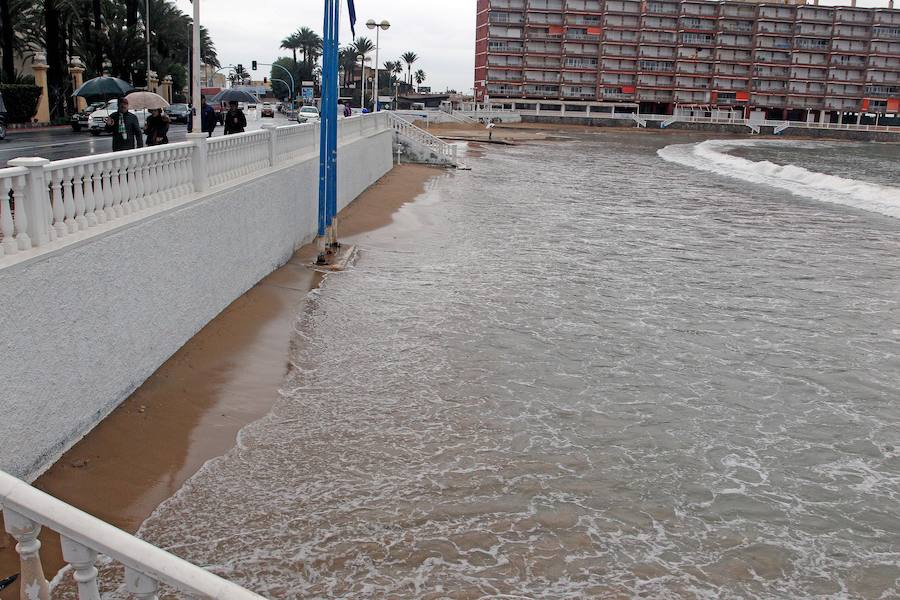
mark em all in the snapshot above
pixel 307 94
pixel 424 89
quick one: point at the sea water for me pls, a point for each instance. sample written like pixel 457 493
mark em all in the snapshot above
pixel 621 366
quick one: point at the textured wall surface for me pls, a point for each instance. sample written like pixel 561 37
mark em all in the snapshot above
pixel 83 328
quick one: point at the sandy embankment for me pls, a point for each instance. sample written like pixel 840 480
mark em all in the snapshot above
pixel 191 409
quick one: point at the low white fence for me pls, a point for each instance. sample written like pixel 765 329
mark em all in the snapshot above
pixel 83 538
pixel 43 202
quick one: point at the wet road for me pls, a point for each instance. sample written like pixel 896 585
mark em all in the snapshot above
pixel 60 143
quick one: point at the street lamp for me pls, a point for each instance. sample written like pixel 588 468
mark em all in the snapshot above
pixel 371 24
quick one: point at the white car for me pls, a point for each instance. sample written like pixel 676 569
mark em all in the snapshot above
pixel 308 114
pixel 98 117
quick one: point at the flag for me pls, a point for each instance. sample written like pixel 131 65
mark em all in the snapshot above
pixel 352 10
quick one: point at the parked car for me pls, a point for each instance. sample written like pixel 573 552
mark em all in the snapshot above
pixel 308 114
pixel 98 117
pixel 267 110
pixel 178 113
pixel 82 120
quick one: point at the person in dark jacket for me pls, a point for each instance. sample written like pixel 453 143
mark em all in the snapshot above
pixel 208 119
pixel 125 127
pixel 157 128
pixel 235 121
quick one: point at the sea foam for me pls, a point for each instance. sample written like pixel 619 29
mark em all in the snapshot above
pixel 712 156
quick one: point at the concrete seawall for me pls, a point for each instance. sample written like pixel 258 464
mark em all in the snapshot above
pixel 84 326
pixel 834 134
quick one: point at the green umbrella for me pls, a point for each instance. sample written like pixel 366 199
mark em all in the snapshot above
pixel 103 88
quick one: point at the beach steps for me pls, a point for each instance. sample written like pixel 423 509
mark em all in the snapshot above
pixel 419 146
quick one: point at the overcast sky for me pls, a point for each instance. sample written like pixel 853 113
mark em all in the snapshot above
pixel 442 33
pixel 443 37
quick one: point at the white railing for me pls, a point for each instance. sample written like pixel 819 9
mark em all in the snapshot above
pixel 83 537
pixel 446 153
pixel 234 156
pixel 295 140
pixel 44 202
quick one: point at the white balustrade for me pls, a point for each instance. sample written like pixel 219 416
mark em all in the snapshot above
pixel 13 229
pixel 405 129
pixel 43 201
pixel 83 537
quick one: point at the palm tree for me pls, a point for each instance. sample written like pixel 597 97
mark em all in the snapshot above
pixel 420 77
pixel 292 43
pixel 397 70
pixel 363 46
pixel 409 58
pixel 310 44
pixel 347 63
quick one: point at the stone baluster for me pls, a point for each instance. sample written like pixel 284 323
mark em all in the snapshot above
pixel 140 586
pixel 272 142
pixel 99 193
pixel 116 187
pixel 167 175
pixel 199 163
pixel 138 175
pixel 68 194
pixel 57 204
pixel 146 181
pixel 127 183
pixel 32 583
pixel 83 561
pixel 73 179
pixel 154 175
pixel 185 166
pixel 31 206
pixel 134 190
pixel 8 244
pixel 83 194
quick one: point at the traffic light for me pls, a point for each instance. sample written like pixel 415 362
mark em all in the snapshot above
pixel 240 68
pixel 253 65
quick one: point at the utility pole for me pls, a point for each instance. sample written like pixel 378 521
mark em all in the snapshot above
pixel 147 33
pixel 195 67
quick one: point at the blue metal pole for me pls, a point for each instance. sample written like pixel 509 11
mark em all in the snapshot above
pixel 323 137
pixel 332 113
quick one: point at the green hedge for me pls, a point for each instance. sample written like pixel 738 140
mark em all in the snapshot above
pixel 21 101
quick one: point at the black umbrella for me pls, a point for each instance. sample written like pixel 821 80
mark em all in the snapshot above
pixel 233 95
pixel 103 88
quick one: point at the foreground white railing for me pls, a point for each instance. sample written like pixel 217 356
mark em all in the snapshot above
pixel 26 510
pixel 445 152
pixel 43 202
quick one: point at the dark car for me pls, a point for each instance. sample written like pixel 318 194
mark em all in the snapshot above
pixel 82 119
pixel 178 113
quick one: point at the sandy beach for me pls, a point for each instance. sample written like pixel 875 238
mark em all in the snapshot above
pixel 192 408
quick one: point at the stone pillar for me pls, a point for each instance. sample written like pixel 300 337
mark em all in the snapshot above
pixel 40 79
pixel 76 70
pixel 166 88
pixel 153 84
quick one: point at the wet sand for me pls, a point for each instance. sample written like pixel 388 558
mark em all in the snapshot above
pixel 192 408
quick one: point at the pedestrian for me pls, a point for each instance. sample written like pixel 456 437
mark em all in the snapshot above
pixel 348 112
pixel 490 128
pixel 235 121
pixel 157 128
pixel 125 127
pixel 208 119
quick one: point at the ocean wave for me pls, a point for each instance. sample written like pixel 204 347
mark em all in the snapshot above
pixel 712 156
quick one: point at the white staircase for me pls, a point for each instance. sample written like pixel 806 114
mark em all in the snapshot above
pixel 781 127
pixel 421 146
pixel 637 119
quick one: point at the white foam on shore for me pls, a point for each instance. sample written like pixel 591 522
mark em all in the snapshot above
pixel 712 156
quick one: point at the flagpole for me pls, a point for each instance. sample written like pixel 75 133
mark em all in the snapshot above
pixel 323 130
pixel 195 65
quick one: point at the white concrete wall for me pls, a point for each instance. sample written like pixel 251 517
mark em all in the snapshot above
pixel 83 327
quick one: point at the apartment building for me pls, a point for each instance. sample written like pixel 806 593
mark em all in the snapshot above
pixel 793 61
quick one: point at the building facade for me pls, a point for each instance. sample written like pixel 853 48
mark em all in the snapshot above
pixel 798 61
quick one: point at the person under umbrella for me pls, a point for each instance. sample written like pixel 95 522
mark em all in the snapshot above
pixel 157 127
pixel 235 121
pixel 208 118
pixel 125 127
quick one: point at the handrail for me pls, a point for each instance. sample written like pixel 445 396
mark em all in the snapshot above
pixel 446 152
pixel 26 509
